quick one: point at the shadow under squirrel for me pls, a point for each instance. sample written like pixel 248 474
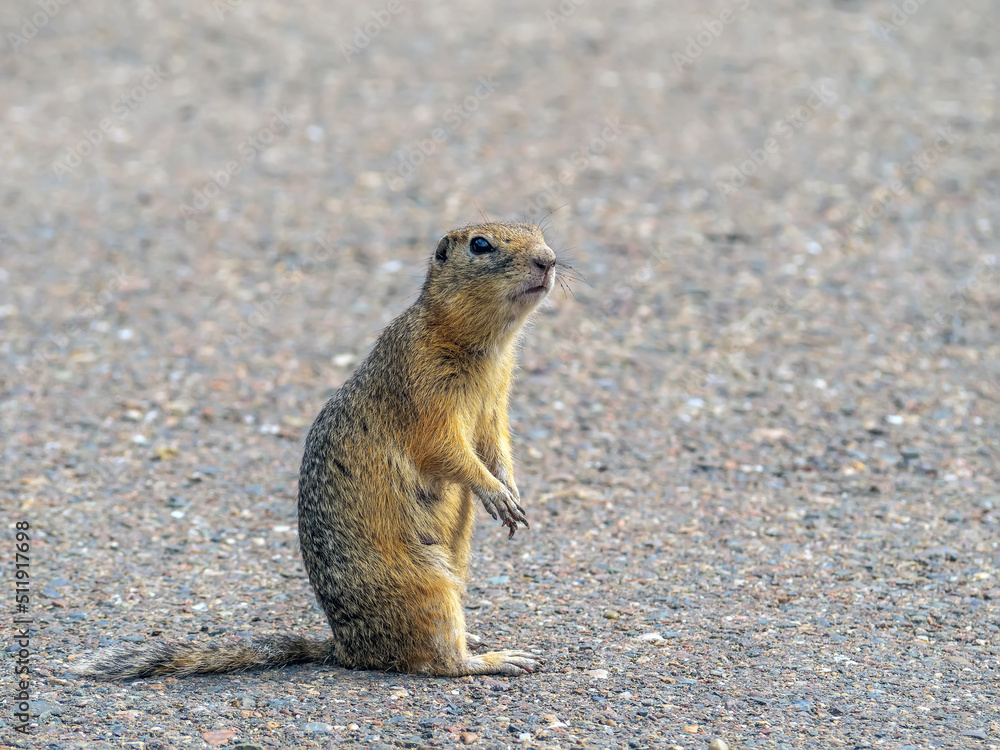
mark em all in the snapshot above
pixel 389 474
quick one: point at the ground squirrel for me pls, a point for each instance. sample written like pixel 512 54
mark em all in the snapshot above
pixel 389 472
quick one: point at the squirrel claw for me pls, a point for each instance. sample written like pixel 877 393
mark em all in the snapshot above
pixel 507 508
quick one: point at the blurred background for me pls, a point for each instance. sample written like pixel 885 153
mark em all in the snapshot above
pixel 785 216
pixel 243 193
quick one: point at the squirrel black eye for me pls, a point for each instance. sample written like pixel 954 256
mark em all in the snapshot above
pixel 480 246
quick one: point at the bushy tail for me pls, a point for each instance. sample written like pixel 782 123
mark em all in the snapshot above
pixel 131 661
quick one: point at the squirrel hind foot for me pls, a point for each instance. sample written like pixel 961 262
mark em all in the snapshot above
pixel 512 663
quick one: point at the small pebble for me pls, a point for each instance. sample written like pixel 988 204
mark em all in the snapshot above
pixel 976 734
pixel 318 726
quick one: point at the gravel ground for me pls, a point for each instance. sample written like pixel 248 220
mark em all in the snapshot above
pixel 758 444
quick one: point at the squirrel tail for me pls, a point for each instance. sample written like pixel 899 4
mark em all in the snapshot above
pixel 132 661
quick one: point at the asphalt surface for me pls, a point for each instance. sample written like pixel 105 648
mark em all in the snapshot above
pixel 757 440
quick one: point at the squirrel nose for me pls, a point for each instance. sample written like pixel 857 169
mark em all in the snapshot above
pixel 546 262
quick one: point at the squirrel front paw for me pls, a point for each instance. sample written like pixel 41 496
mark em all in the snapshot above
pixel 505 505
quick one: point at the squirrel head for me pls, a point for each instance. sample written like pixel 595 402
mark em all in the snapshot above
pixel 489 277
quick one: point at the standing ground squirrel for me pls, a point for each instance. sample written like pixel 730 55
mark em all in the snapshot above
pixel 389 472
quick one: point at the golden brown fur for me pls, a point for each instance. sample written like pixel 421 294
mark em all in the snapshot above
pixel 391 470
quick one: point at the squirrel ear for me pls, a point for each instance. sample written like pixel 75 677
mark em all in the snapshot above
pixel 441 254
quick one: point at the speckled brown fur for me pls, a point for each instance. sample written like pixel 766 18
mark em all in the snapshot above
pixel 390 471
